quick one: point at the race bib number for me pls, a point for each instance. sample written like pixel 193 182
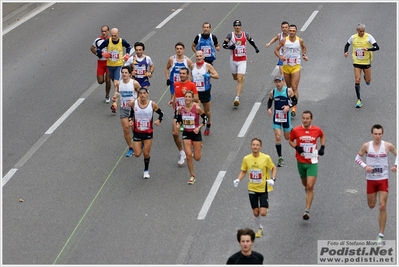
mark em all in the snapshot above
pixel 281 116
pixel 206 50
pixel 255 176
pixel 308 150
pixel 176 77
pixel 125 104
pixel 189 122
pixel 360 53
pixel 200 84
pixel 292 61
pixel 240 51
pixel 140 71
pixel 114 55
pixel 143 125
pixel 377 170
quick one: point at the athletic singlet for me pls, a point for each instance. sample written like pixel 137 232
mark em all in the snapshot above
pixel 143 117
pixel 202 83
pixel 190 118
pixel 97 42
pixel 140 66
pixel 207 47
pixel 175 69
pixel 240 52
pixel 127 93
pixel 378 160
pixel 359 56
pixel 282 48
pixel 292 51
pixel 116 53
pixel 280 99
pixel 258 169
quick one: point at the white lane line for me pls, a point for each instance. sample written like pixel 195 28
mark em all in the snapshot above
pixel 8 176
pixel 305 26
pixel 27 17
pixel 148 36
pixel 211 195
pixel 160 25
pixel 64 116
pixel 249 119
pixel 31 151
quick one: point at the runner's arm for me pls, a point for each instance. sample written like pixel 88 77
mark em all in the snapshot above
pixel 374 48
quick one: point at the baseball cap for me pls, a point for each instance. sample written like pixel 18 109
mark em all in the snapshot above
pixel 278 77
pixel 237 23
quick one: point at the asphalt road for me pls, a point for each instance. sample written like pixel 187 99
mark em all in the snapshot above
pixel 84 202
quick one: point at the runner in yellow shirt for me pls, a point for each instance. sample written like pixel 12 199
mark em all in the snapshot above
pixel 258 165
pixel 362 46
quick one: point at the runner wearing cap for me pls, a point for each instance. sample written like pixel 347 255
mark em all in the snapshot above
pixel 237 42
pixel 281 96
pixel 143 128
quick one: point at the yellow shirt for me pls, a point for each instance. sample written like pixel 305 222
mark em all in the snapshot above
pixel 360 56
pixel 116 51
pixel 258 169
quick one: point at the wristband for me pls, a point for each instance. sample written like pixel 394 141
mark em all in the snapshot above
pixel 304 55
pixel 364 165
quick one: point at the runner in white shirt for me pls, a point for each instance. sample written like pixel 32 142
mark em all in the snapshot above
pixel 377 172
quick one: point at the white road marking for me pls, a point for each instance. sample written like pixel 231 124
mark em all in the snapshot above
pixel 305 26
pixel 27 17
pixel 211 195
pixel 8 176
pixel 249 119
pixel 160 25
pixel 64 116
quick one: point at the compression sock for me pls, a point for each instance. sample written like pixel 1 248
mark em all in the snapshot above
pixel 278 148
pixel 357 88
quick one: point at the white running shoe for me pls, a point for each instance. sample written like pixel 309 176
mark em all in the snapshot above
pixel 182 156
pixel 236 101
pixel 146 175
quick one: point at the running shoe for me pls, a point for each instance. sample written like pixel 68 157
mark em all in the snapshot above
pixel 236 101
pixel 306 215
pixel 146 175
pixel 129 153
pixel 207 131
pixel 113 107
pixel 259 233
pixel 380 240
pixel 293 111
pixel 280 162
pixel 107 99
pixel 191 180
pixel 182 156
pixel 359 103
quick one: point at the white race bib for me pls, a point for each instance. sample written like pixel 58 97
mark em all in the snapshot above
pixel 280 116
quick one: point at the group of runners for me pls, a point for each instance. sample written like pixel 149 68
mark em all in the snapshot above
pixel 304 138
pixel 190 96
